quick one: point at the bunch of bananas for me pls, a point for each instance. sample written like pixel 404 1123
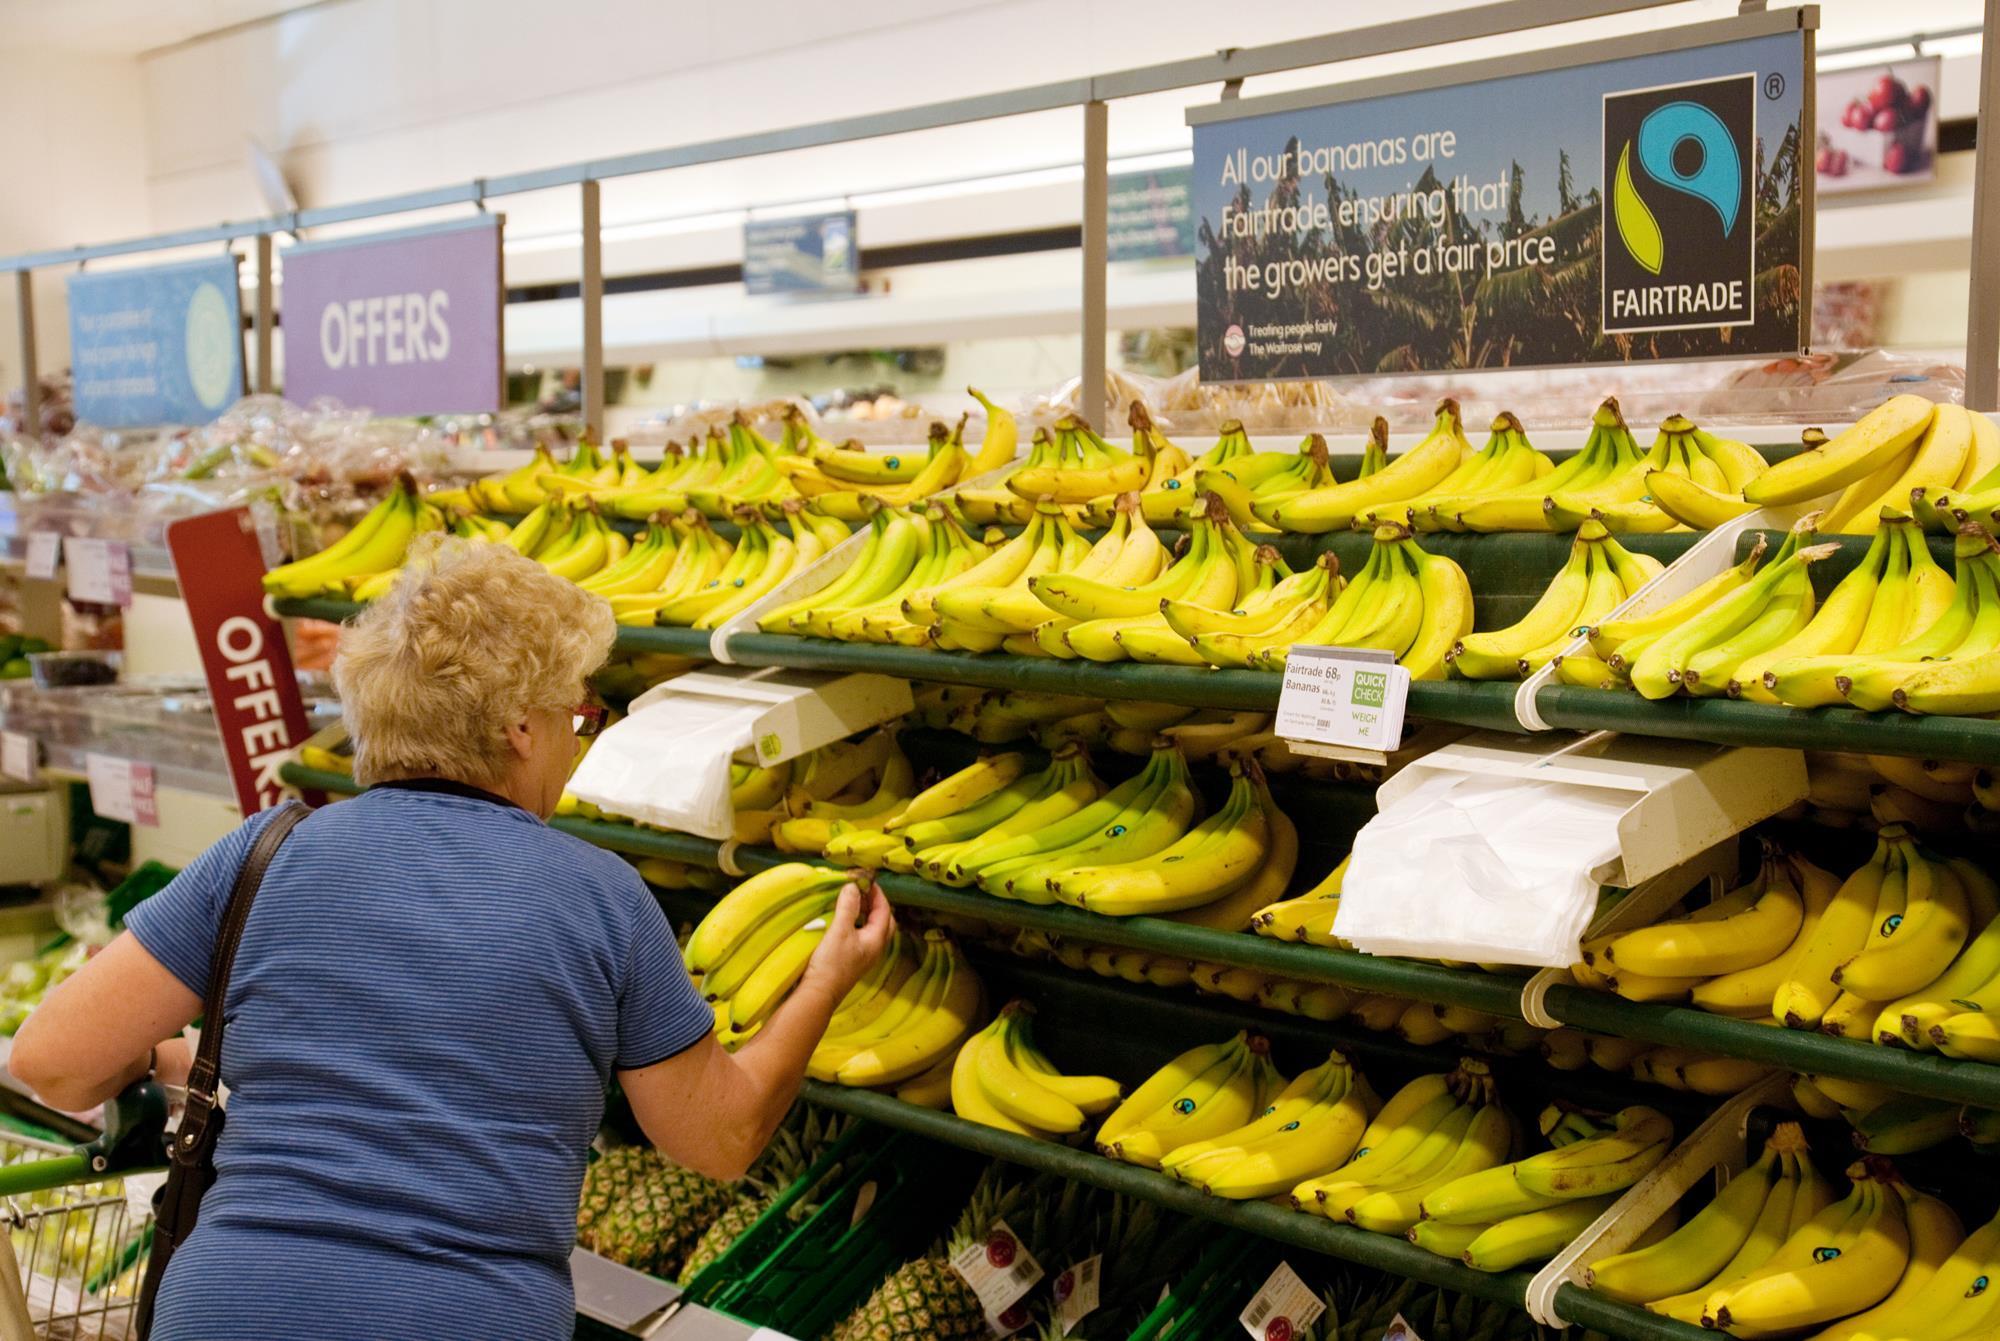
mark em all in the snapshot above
pixel 1701 642
pixel 753 946
pixel 907 550
pixel 1382 494
pixel 1079 467
pixel 1435 1129
pixel 1507 1215
pixel 1315 1123
pixel 1906 454
pixel 1932 796
pixel 836 477
pixel 1883 1121
pixel 1727 1240
pixel 1168 497
pixel 1513 494
pixel 830 806
pixel 954 608
pixel 1891 953
pixel 904 1022
pixel 1001 1079
pixel 376 544
pixel 1252 487
pixel 1201 1094
pixel 996 792
pixel 1598 577
pixel 522 489
pixel 1673 1068
pixel 1308 917
pixel 842 772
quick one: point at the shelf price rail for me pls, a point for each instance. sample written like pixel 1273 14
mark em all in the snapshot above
pixel 1926 1074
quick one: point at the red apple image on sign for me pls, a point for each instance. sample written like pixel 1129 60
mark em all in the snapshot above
pixel 1878 125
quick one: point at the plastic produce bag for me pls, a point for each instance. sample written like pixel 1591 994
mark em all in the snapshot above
pixel 667 762
pixel 1482 869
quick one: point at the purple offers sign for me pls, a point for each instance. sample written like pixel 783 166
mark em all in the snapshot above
pixel 402 323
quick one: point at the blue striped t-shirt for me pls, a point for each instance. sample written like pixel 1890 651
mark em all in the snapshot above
pixel 429 1000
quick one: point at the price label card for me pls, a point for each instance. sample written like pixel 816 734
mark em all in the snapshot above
pixel 1000 1270
pixel 44 553
pixel 1347 696
pixel 17 756
pixel 121 789
pixel 1076 1292
pixel 1283 1308
pixel 1399 1330
pixel 100 571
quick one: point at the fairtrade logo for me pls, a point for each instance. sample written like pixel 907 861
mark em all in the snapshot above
pixel 1184 1106
pixel 1713 178
pixel 1679 245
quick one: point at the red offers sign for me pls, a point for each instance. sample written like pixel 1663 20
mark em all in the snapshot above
pixel 243 653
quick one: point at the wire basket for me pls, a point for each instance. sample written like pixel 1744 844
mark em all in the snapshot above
pixel 78 1254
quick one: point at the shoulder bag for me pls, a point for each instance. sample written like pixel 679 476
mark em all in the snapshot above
pixel 191 1148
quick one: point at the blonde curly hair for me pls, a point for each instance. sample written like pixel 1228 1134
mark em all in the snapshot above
pixel 472 637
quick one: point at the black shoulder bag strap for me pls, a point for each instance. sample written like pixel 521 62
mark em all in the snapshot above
pixel 191 1148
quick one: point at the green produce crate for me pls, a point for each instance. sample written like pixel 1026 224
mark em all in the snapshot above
pixel 137 887
pixel 1198 1306
pixel 890 1204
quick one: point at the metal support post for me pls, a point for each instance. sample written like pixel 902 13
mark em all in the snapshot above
pixel 1091 398
pixel 592 294
pixel 1982 325
pixel 265 306
pixel 31 380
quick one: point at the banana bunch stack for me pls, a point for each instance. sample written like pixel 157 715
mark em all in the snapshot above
pixel 1001 1079
pixel 1203 1093
pixel 849 481
pixel 1890 953
pixel 377 544
pixel 1507 461
pixel 1081 467
pixel 542 477
pixel 997 792
pixel 1883 1121
pixel 1700 643
pixel 1932 796
pixel 1844 1261
pixel 1145 814
pixel 1433 1131
pixel 1506 1215
pixel 1598 577
pixel 835 800
pixel 843 772
pixel 990 606
pixel 1501 503
pixel 1313 1124
pixel 903 1024
pixel 1404 600
pixel 1605 481
pixel 1168 498
pixel 1726 1241
pixel 907 550
pixel 1905 454
pixel 1252 487
pixel 1381 494
pixel 1684 1069
pixel 1118 616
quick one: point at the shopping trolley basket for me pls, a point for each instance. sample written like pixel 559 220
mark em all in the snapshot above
pixel 73 1250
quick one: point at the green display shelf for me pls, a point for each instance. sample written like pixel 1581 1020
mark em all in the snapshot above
pixel 1924 1074
pixel 1724 721
pixel 1266 1219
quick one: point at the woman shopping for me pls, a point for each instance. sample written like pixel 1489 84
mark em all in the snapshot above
pixel 430 997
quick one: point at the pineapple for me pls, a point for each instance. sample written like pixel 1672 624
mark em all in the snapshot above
pixel 647 1211
pixel 797 1145
pixel 1143 1249
pixel 925 1300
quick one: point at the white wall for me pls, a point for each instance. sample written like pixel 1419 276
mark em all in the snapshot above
pixel 77 162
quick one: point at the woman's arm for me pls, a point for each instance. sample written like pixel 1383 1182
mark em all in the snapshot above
pixel 92 1036
pixel 713 1110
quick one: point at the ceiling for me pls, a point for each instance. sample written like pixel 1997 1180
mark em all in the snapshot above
pixel 128 27
pixel 132 27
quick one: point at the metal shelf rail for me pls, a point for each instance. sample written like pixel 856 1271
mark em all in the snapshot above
pixel 1914 1073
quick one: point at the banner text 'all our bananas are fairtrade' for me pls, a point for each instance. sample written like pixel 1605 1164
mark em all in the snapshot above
pixel 1647 206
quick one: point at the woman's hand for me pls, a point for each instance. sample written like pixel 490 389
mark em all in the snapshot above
pixel 857 933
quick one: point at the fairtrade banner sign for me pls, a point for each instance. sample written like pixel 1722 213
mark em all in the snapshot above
pixel 808 253
pixel 402 323
pixel 244 657
pixel 1149 215
pixel 1654 203
pixel 161 345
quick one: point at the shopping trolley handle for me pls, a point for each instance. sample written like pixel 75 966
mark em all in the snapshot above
pixel 135 1131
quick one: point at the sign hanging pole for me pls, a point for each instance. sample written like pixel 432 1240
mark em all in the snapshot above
pixel 1091 399
pixel 31 380
pixel 1982 325
pixel 265 382
pixel 593 316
